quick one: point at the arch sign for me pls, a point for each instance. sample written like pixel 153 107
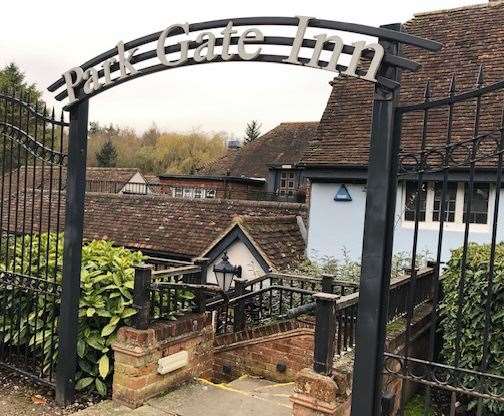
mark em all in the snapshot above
pixel 126 61
pixel 226 40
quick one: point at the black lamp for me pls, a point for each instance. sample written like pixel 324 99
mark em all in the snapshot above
pixel 225 272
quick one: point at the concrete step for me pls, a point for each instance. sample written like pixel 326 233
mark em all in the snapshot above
pixel 245 396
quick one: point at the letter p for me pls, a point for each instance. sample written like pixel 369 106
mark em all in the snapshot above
pixel 71 83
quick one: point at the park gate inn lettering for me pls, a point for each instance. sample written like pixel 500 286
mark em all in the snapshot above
pixel 206 51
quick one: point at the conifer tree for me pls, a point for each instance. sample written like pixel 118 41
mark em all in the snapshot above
pixel 107 155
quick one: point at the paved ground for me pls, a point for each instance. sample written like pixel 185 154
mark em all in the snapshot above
pixel 244 396
pixel 20 397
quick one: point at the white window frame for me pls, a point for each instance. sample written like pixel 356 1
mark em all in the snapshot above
pixel 178 189
pixel 198 193
pixel 458 224
pixel 188 193
pixel 210 193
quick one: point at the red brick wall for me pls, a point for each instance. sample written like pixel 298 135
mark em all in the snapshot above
pixel 137 352
pixel 224 189
pixel 258 351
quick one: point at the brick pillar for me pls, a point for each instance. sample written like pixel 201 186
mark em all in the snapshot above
pixel 185 344
pixel 320 395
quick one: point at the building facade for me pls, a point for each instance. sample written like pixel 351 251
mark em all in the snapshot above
pixel 336 163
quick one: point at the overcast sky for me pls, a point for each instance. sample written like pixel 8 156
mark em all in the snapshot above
pixel 46 38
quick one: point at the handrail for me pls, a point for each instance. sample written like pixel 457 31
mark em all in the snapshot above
pixel 308 279
pixel 352 299
pixel 176 271
pixel 161 260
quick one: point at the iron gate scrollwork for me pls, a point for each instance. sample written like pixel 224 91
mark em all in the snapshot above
pixel 455 177
pixel 33 163
pixel 449 155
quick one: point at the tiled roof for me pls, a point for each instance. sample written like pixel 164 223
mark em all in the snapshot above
pixel 171 226
pixel 279 238
pixel 285 144
pixel 44 176
pixel 120 175
pixel 471 37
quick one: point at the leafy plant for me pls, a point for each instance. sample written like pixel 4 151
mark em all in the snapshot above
pixel 107 278
pixel 472 316
pixel 349 269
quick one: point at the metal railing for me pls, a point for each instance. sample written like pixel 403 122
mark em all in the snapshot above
pixel 336 316
pixel 166 293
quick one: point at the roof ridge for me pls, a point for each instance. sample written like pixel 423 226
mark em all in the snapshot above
pixel 207 201
pixel 490 3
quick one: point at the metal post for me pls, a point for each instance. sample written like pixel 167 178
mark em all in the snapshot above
pixel 327 283
pixel 74 223
pixel 202 262
pixel 141 295
pixel 325 333
pixel 239 310
pixel 378 244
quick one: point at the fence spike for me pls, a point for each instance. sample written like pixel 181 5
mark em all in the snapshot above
pixel 480 79
pixel 453 87
pixel 427 92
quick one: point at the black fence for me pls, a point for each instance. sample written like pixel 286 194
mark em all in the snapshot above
pixel 166 294
pixel 32 158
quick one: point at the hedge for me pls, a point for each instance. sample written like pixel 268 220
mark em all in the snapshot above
pixel 473 315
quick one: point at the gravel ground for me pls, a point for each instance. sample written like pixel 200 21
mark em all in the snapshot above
pixel 19 396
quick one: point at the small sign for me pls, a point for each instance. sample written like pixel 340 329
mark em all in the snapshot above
pixel 342 194
pixel 173 362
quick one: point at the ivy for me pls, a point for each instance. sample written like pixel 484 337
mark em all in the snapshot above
pixel 107 279
pixel 472 318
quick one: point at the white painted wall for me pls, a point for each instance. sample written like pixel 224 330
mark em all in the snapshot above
pixel 335 226
pixel 239 255
pixel 133 185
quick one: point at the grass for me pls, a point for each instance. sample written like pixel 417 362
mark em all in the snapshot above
pixel 415 407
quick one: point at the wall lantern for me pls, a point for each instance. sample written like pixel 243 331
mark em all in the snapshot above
pixel 342 195
pixel 225 272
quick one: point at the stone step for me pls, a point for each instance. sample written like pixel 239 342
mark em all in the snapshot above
pixel 245 396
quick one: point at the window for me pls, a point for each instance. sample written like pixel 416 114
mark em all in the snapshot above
pixel 198 193
pixel 412 193
pixel 178 193
pixel 479 203
pixel 210 193
pixel 450 199
pixel 456 198
pixel 188 192
pixel 288 183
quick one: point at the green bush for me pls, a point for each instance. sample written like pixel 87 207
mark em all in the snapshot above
pixel 473 314
pixel 105 304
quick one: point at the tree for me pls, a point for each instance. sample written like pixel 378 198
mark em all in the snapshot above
pixel 149 138
pixel 12 81
pixel 107 155
pixel 253 131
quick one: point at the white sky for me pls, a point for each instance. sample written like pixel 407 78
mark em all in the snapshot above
pixel 46 38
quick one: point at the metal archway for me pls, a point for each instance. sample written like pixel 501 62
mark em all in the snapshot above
pixel 86 81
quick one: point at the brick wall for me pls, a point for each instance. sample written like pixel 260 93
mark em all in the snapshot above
pixel 276 352
pixel 224 189
pixel 136 354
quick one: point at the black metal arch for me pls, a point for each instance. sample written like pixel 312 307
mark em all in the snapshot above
pixel 381 33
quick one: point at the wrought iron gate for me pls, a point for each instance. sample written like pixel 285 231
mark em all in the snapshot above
pixel 454 181
pixel 33 163
pixel 449 160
